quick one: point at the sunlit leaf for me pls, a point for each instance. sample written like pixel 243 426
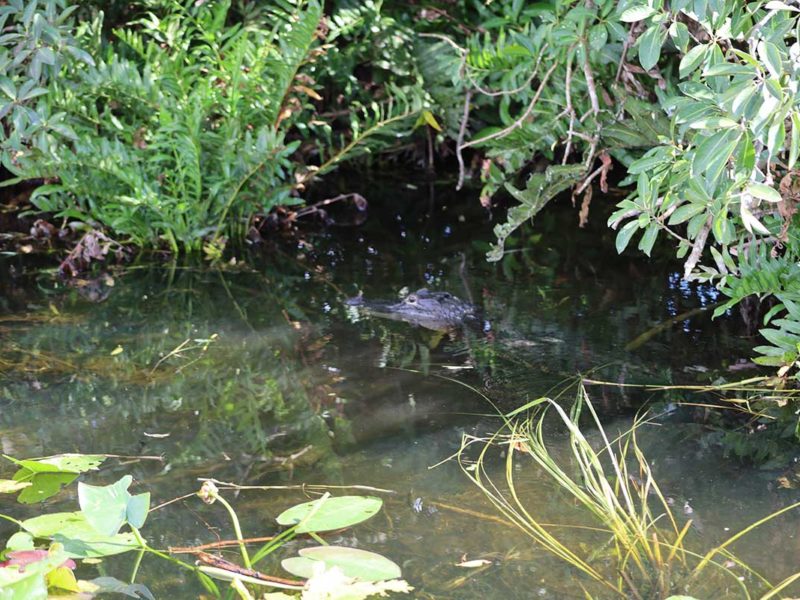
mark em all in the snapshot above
pixel 105 507
pixel 355 563
pixel 625 234
pixel 331 513
pixel 79 538
pixel 9 486
pixel 764 192
pixel 636 13
pixel 650 46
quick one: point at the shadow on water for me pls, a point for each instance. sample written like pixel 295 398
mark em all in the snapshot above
pixel 260 374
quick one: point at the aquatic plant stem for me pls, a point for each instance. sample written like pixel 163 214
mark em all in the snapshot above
pixel 237 529
pixel 136 565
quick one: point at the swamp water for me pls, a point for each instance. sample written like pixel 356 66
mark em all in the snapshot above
pixel 260 375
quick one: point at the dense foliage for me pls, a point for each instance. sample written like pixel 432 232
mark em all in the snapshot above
pixel 179 125
pixel 176 124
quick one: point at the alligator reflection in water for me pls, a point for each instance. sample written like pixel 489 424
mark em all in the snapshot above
pixel 458 333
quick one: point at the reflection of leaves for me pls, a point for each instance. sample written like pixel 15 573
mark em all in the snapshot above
pixel 46 476
pixel 327 514
pixel 112 585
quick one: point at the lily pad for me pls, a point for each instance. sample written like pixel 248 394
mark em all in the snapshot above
pixel 357 564
pixel 79 538
pixel 327 514
pixel 46 476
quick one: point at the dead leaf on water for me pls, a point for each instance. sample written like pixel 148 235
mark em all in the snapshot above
pixel 474 564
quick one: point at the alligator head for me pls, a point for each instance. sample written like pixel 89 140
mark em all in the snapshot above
pixel 432 310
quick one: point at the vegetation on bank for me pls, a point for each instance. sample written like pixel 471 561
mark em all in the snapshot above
pixel 180 125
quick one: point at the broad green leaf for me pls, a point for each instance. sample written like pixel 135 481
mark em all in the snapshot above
pixel 770 57
pixel 48 475
pixel 794 149
pixel 713 123
pixel 692 59
pixel 598 36
pixel 742 98
pixel 105 507
pixel 713 153
pixel 776 135
pixel 625 234
pixel 331 513
pixel 649 238
pixel 636 13
pixel 764 192
pixel 355 563
pixel 21 540
pixel 685 212
pixel 79 538
pixel 136 512
pixel 650 46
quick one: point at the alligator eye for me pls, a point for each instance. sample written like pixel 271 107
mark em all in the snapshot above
pixel 411 299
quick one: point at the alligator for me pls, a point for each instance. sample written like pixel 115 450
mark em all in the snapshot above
pixel 439 311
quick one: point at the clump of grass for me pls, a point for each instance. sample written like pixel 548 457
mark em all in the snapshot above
pixel 643 552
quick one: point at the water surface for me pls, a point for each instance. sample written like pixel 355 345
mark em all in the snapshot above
pixel 257 373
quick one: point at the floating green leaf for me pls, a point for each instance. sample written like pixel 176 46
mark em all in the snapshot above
pixel 47 475
pixel 355 563
pixel 79 538
pixel 327 514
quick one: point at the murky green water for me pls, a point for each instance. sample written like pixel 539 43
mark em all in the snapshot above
pixel 259 375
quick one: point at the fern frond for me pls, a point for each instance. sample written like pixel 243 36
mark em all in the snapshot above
pixel 294 39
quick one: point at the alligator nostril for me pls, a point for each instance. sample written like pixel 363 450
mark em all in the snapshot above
pixel 411 299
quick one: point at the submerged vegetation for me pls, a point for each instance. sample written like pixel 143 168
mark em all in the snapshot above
pixel 633 545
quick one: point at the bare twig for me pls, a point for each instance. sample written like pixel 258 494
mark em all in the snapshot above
pixel 459 142
pixel 518 123
pixel 590 86
pixel 697 248
pixel 225 565
pixel 219 544
pixel 310 487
